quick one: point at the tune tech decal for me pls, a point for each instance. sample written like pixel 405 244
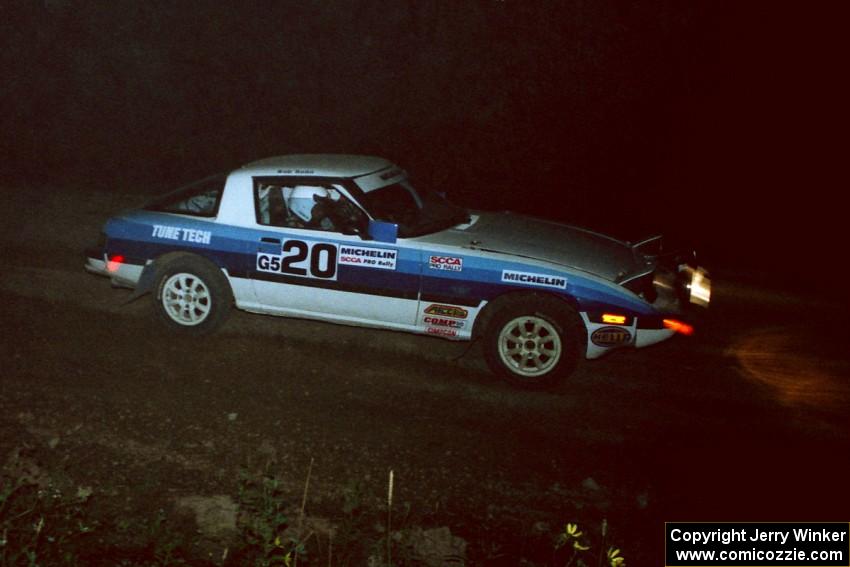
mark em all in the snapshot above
pixel 368 257
pixel 534 279
pixel 447 263
pixel 181 233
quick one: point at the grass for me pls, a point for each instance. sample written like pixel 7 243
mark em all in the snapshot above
pixel 50 523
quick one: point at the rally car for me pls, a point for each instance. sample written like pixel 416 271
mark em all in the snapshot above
pixel 349 239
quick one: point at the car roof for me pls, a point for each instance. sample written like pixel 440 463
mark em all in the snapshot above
pixel 322 165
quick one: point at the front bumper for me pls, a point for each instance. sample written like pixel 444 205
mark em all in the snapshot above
pixel 603 338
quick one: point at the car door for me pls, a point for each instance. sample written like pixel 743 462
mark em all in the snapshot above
pixel 309 267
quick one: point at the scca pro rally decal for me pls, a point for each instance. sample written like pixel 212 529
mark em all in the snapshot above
pixel 534 279
pixel 611 336
pixel 181 233
pixel 368 257
pixel 447 311
pixel 448 263
pixel 303 259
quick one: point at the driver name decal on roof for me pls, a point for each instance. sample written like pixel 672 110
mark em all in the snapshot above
pixel 181 233
pixel 530 278
pixel 368 257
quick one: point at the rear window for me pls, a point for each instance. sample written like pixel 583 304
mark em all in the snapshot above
pixel 200 199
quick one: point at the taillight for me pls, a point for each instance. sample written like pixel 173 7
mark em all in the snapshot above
pixel 114 263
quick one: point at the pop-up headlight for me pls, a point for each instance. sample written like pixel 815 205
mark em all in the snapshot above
pixel 699 287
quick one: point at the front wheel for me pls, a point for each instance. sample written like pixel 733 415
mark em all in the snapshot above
pixel 534 344
pixel 192 295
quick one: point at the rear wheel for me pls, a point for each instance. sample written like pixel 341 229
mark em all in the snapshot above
pixel 192 295
pixel 533 343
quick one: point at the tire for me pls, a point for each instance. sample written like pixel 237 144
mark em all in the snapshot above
pixel 553 339
pixel 192 295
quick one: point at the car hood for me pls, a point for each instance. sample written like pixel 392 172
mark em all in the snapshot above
pixel 527 237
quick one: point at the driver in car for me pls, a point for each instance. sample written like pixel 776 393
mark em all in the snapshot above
pixel 313 206
pixel 323 208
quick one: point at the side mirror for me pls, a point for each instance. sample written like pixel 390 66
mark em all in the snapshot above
pixel 381 231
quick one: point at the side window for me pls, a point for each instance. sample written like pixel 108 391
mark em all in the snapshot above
pixel 317 207
pixel 199 199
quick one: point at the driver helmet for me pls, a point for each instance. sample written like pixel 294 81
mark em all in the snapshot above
pixel 304 197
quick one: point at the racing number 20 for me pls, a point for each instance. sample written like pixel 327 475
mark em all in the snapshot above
pixel 322 259
pixel 299 258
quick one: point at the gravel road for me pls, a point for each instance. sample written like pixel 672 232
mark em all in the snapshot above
pixel 746 420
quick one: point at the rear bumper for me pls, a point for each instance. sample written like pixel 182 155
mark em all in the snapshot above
pixel 96 261
pixel 122 274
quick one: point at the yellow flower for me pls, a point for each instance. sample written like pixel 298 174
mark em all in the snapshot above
pixel 579 547
pixel 615 559
pixel 572 530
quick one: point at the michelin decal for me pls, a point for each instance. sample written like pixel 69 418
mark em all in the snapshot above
pixel 368 257
pixel 530 278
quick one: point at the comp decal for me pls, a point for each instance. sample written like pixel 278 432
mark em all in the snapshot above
pixel 181 233
pixel 447 311
pixel 530 278
pixel 446 263
pixel 443 322
pixel 611 336
pixel 368 257
pixel 302 259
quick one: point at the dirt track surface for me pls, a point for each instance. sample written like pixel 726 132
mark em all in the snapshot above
pixel 745 421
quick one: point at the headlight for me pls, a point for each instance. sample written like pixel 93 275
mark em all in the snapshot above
pixel 699 287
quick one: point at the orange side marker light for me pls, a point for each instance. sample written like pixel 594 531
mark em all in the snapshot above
pixel 678 326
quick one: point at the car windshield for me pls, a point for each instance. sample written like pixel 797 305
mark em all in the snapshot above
pixel 415 211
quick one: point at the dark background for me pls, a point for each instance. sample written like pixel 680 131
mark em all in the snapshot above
pixel 719 122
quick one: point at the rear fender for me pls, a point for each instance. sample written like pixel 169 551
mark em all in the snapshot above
pixel 148 277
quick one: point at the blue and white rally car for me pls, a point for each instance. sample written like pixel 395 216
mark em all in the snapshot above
pixel 348 239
